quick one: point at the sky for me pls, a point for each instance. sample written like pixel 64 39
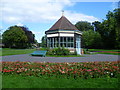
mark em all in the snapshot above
pixel 40 15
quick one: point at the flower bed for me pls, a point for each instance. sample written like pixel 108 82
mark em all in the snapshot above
pixel 75 70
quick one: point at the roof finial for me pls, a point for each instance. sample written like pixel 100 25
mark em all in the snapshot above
pixel 62 12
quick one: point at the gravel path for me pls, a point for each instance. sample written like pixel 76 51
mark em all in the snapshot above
pixel 87 58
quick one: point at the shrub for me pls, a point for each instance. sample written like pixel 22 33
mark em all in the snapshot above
pixel 86 51
pixel 75 53
pixel 59 51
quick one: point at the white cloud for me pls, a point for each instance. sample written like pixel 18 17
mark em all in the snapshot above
pixel 74 17
pixel 94 0
pixel 19 11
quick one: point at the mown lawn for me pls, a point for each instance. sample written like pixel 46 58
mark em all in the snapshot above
pixel 17 81
pixel 7 51
pixel 104 51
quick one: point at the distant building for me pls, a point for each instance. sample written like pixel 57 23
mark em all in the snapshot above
pixel 64 34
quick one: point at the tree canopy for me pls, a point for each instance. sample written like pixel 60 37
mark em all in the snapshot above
pixel 43 42
pixel 84 26
pixel 16 37
pixel 108 30
pixel 91 39
pixel 29 34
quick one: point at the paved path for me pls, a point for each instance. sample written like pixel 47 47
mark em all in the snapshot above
pixel 87 58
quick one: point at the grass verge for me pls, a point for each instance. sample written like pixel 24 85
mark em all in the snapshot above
pixel 103 51
pixel 17 81
pixel 7 51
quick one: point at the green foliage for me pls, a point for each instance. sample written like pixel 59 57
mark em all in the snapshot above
pixel 84 26
pixel 29 34
pixel 110 30
pixel 117 18
pixel 85 51
pixel 43 43
pixel 106 33
pixel 91 39
pixel 59 51
pixel 15 37
pixel 96 25
pixel 18 37
pixel 75 53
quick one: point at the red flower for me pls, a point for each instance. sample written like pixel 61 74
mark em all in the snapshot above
pixel 7 70
pixel 115 67
pixel 75 72
pixel 63 68
pixel 89 70
pixel 70 69
pixel 95 69
pixel 47 65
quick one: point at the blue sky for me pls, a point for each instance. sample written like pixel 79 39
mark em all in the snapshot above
pixel 39 15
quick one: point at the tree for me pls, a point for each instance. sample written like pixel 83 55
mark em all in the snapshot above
pixel 29 34
pixel 15 37
pixel 84 26
pixel 117 18
pixel 91 39
pixel 109 30
pixel 44 43
pixel 96 25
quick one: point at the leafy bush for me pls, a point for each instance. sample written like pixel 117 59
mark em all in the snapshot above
pixel 75 53
pixel 86 51
pixel 59 51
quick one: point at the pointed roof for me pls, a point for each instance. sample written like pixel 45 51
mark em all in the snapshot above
pixel 64 24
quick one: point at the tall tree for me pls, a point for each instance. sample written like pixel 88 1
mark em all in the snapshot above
pixel 117 18
pixel 15 37
pixel 29 34
pixel 109 30
pixel 18 37
pixel 96 25
pixel 84 26
pixel 91 39
pixel 43 43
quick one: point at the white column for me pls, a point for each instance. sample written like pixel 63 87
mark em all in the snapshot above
pixel 59 40
pixel 53 42
pixel 47 42
pixel 66 42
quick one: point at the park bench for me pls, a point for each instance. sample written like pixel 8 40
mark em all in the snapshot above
pixel 39 53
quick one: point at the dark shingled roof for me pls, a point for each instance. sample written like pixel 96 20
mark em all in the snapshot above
pixel 64 24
